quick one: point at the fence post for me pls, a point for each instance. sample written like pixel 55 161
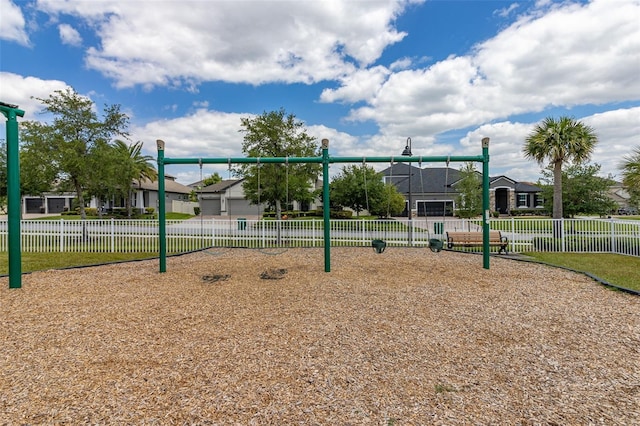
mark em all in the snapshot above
pixel 613 236
pixel 61 235
pixel 113 235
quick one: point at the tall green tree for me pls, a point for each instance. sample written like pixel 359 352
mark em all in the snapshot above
pixel 389 203
pixel 357 187
pixel 469 187
pixel 631 175
pixel 73 136
pixel 105 180
pixel 556 142
pixel 277 134
pixel 39 169
pixel 583 191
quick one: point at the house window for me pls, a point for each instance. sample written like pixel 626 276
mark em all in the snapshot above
pixel 538 200
pixel 522 200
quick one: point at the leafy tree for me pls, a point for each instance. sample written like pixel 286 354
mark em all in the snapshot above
pixel 38 164
pixel 277 134
pixel 584 192
pixel 132 166
pixel 389 203
pixel 105 180
pixel 212 179
pixel 631 175
pixel 469 186
pixel 348 188
pixel 560 141
pixel 75 134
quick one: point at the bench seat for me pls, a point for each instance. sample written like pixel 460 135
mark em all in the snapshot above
pixel 474 239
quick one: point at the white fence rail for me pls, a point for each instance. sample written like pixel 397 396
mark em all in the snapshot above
pixel 123 235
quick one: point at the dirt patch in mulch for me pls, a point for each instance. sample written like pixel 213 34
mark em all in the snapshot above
pixel 405 337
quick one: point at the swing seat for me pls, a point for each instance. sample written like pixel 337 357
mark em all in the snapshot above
pixel 379 245
pixel 435 245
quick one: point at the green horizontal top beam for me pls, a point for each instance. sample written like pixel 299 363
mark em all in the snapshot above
pixel 284 160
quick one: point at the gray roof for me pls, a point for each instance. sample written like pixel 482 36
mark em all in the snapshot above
pixel 221 186
pixel 170 185
pixel 527 187
pixel 437 180
pixel 426 180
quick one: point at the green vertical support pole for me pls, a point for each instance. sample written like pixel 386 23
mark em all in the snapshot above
pixel 11 112
pixel 326 205
pixel 485 203
pixel 162 225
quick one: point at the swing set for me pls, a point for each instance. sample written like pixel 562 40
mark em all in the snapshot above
pixel 325 159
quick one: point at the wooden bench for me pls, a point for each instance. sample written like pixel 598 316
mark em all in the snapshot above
pixel 474 239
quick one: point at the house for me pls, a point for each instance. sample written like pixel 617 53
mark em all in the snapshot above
pixel 49 202
pixel 433 190
pixel 619 194
pixel 225 198
pixel 145 194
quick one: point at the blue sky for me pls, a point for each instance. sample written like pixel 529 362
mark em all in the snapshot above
pixel 364 74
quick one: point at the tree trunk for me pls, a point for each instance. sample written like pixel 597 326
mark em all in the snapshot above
pixel 557 199
pixel 83 213
pixel 557 190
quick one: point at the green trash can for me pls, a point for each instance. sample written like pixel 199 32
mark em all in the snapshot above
pixel 438 228
pixel 242 223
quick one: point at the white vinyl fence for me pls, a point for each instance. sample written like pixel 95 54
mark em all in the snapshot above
pixel 124 235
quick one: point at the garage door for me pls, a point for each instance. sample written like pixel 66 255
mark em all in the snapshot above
pixel 241 208
pixel 33 205
pixel 210 207
pixel 55 205
pixel 435 208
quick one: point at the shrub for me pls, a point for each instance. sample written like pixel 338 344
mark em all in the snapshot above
pixel 196 211
pixel 341 214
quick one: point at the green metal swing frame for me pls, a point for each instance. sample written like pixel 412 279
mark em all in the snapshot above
pixel 325 159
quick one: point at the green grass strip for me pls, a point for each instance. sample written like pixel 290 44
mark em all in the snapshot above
pixel 616 269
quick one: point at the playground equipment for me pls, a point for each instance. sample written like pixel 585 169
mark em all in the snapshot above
pixel 11 112
pixel 325 159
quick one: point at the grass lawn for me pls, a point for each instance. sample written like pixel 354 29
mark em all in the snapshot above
pixel 623 271
pixel 43 261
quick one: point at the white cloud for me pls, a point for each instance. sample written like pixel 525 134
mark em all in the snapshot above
pixel 506 11
pixel 568 55
pixel 23 91
pixel 617 133
pixel 12 24
pixel 357 86
pixel 186 43
pixel 201 134
pixel 69 35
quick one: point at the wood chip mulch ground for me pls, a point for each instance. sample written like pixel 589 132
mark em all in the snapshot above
pixel 408 337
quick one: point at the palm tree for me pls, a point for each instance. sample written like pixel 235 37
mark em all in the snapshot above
pixel 560 141
pixel 631 174
pixel 133 167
